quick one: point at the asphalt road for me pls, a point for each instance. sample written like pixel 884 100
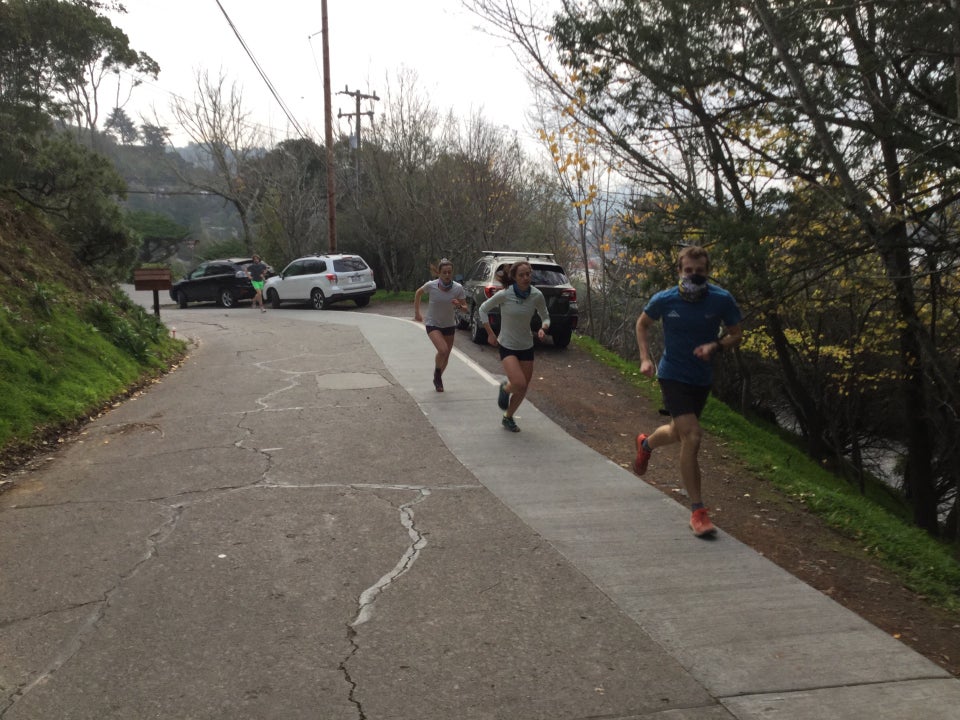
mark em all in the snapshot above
pixel 295 525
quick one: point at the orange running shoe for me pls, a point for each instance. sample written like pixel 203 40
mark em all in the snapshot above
pixel 643 456
pixel 700 523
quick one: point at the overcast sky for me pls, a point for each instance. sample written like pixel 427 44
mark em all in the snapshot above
pixel 459 67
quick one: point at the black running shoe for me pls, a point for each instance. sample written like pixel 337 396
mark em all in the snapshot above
pixel 503 399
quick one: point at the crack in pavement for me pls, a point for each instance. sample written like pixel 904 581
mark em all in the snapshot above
pixel 162 533
pixel 75 644
pixel 72 646
pixel 265 452
pixel 352 695
pixel 369 596
pixel 294 376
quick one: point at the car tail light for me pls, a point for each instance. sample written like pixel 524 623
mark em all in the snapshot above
pixel 332 277
pixel 570 294
pixel 490 290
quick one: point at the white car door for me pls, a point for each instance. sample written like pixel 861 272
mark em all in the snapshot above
pixel 289 287
pixel 314 272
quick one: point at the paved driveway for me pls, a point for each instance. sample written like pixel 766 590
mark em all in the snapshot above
pixel 295 525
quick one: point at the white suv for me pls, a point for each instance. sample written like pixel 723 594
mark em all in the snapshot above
pixel 322 280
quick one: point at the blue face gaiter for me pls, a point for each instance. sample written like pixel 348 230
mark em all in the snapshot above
pixel 522 294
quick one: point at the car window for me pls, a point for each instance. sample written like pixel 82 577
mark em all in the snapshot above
pixel 198 271
pixel 480 271
pixel 313 267
pixel 548 275
pixel 217 269
pixel 349 264
pixel 293 269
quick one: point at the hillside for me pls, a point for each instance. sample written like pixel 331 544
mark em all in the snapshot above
pixel 30 253
pixel 69 343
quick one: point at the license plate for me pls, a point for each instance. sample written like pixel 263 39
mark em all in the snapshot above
pixel 356 278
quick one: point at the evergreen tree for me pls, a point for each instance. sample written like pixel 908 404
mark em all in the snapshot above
pixel 120 124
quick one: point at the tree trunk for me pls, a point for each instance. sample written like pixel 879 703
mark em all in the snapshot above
pixel 919 472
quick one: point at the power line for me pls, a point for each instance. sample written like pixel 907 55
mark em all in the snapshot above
pixel 159 88
pixel 270 87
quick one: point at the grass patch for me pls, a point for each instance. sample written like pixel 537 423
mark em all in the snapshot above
pixel 63 356
pixel 393 296
pixel 878 521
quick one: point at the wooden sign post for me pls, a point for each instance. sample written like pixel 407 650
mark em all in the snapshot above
pixel 155 279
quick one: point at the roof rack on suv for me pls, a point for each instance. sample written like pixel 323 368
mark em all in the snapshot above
pixel 508 253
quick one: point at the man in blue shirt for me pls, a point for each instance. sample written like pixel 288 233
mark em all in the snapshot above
pixel 692 313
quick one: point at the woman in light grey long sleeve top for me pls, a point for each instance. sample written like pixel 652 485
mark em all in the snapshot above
pixel 518 301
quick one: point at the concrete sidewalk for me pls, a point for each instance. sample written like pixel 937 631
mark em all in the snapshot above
pixel 761 642
pixel 295 524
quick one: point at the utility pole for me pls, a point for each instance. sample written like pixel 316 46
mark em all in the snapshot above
pixel 328 131
pixel 358 96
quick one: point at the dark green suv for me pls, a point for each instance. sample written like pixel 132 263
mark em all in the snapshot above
pixel 548 277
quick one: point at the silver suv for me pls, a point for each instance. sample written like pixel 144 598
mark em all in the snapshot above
pixel 322 280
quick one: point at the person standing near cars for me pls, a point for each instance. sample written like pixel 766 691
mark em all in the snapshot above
pixel 518 301
pixel 256 272
pixel 443 294
pixel 691 312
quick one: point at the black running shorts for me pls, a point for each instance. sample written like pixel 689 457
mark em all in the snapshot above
pixel 680 398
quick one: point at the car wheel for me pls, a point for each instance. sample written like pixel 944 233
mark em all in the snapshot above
pixel 317 299
pixel 477 331
pixel 561 338
pixel 362 301
pixel 227 298
pixel 274 299
pixel 181 298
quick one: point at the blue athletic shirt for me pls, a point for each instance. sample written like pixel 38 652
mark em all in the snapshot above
pixel 687 325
